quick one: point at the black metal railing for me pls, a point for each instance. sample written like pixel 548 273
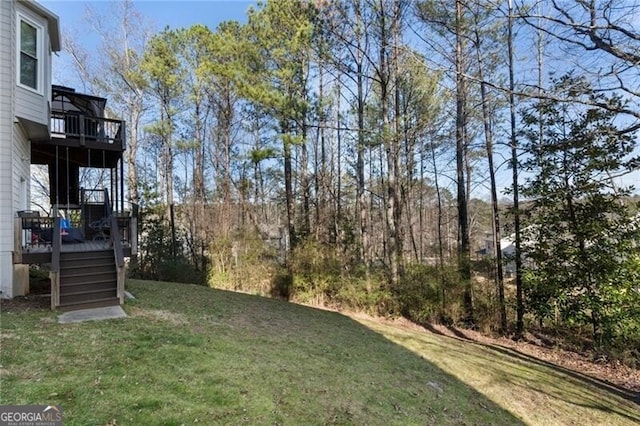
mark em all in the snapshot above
pixel 92 221
pixel 88 128
pixel 124 229
pixel 95 196
pixel 38 233
pixel 36 230
pixel 117 242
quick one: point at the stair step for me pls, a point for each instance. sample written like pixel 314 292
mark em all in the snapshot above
pixel 89 272
pixel 87 263
pixel 98 285
pixel 85 256
pixel 99 303
pixel 68 294
pixel 87 297
pixel 79 269
pixel 97 251
pixel 101 252
pixel 99 280
pixel 85 260
pixel 86 278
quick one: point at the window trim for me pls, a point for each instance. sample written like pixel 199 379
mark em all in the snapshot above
pixel 21 17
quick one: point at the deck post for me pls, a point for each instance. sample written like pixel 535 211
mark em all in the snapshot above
pixel 54 275
pixel 17 240
pixel 82 135
pixel 55 289
pixel 119 258
pixel 120 283
pixel 133 235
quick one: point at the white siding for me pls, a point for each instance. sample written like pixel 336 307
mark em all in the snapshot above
pixel 21 168
pixel 21 178
pixel 15 151
pixel 31 106
pixel 7 96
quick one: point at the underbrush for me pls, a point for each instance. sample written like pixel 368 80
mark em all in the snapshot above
pixel 246 264
pixel 315 275
pixel 321 278
pixel 622 349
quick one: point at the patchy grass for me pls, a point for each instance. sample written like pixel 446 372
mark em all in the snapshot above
pixel 189 354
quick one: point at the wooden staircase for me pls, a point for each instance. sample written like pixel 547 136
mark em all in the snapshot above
pixel 88 279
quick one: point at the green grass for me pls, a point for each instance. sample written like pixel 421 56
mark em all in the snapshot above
pixel 188 354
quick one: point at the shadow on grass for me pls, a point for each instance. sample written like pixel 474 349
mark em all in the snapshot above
pixel 619 391
pixel 546 388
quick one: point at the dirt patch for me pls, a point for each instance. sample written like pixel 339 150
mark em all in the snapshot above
pixel 26 303
pixel 159 315
pixel 614 373
pixel 39 296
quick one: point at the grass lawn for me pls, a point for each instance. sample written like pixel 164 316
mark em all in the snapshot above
pixel 188 354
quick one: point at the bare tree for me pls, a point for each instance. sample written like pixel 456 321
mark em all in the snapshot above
pixel 115 72
pixel 608 31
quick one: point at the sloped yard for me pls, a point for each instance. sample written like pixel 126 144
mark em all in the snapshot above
pixel 189 354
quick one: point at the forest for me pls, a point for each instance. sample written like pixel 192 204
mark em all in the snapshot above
pixel 466 162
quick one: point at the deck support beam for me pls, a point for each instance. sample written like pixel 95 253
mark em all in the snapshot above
pixel 120 283
pixel 55 289
pixel 17 240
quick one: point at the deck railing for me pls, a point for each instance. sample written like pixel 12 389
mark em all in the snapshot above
pixel 37 234
pixel 36 231
pixel 94 222
pixel 119 257
pixel 88 128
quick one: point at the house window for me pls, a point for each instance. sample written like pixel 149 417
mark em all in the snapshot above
pixel 29 48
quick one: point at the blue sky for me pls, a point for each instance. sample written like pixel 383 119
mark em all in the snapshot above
pixel 162 12
pixel 158 13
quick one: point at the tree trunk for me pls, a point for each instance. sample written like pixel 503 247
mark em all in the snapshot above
pixel 488 133
pixel 514 168
pixel 440 242
pixel 361 200
pixel 464 249
pixel 288 186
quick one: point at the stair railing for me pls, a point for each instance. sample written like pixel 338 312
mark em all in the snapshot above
pixel 54 274
pixel 114 236
pixel 116 242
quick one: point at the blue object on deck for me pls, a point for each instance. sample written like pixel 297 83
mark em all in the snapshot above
pixel 65 224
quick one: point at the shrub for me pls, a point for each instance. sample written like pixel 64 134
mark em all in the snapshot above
pixel 282 283
pixel 419 294
pixel 244 263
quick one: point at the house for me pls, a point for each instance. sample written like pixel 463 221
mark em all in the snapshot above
pixel 85 235
pixel 507 247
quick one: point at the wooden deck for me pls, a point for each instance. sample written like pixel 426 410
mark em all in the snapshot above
pixel 42 253
pixel 33 234
pixel 73 247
